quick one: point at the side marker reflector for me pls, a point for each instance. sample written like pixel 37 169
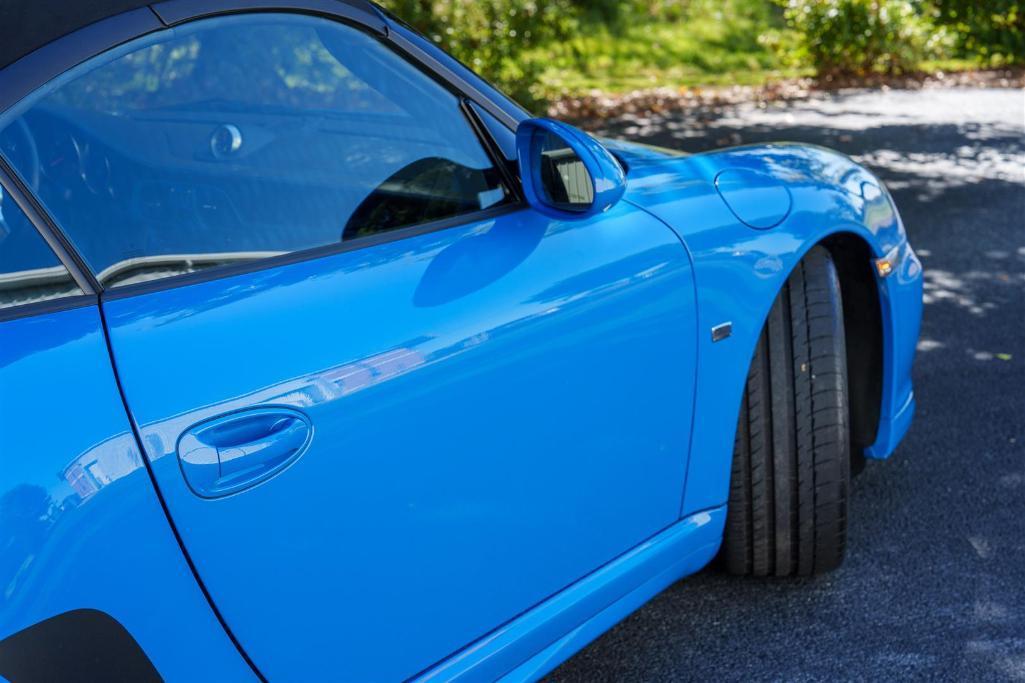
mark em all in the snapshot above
pixel 886 265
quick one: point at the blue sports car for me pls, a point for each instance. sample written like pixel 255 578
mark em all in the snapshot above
pixel 320 359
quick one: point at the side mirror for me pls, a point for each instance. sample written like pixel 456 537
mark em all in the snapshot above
pixel 566 173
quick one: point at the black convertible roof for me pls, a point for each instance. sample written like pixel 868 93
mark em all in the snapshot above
pixel 26 25
pixel 29 24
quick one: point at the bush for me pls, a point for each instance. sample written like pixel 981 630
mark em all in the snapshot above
pixel 539 50
pixel 493 36
pixel 841 38
pixel 542 50
pixel 992 31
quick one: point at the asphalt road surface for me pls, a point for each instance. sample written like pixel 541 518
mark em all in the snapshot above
pixel 933 587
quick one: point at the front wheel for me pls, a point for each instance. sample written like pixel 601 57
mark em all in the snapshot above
pixel 787 512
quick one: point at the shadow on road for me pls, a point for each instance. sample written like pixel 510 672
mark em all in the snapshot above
pixel 934 582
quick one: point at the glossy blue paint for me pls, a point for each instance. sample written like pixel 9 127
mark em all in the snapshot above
pixel 80 524
pixel 756 199
pixel 608 180
pixel 902 316
pixel 230 453
pixel 500 408
pixel 488 429
pixel 538 640
pixel 738 272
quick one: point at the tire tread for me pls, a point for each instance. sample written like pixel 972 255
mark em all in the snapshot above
pixel 787 511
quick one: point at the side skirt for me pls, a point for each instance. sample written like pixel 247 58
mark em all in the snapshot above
pixel 540 639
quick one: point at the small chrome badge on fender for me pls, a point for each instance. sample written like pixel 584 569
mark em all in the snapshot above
pixel 721 331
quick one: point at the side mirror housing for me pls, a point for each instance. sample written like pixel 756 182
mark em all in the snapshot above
pixel 566 173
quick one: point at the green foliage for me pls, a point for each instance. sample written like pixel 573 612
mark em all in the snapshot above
pixel 494 36
pixel 708 42
pixel 540 50
pixel 842 38
pixel 992 31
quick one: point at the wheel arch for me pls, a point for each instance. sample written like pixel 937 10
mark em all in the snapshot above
pixel 863 324
pixel 869 336
pixel 852 254
pixel 739 271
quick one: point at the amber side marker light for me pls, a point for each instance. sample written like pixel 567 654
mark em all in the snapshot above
pixel 886 264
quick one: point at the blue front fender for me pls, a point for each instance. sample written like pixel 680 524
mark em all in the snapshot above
pixel 740 270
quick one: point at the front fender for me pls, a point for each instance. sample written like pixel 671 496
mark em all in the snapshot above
pixel 739 271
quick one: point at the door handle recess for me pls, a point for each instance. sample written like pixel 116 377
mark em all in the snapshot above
pixel 232 452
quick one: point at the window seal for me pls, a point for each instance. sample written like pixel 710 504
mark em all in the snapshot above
pixel 64 303
pixel 459 84
pixel 492 148
pixel 15 188
pixel 176 12
pixel 314 253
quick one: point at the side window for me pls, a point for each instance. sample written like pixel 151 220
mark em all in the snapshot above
pixel 29 272
pixel 242 137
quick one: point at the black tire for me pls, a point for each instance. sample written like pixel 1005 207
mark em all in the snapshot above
pixel 787 512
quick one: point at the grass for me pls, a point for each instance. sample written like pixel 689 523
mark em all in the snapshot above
pixel 952 65
pixel 655 55
pixel 718 46
pixel 703 53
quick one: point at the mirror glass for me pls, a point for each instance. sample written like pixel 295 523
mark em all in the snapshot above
pixel 566 184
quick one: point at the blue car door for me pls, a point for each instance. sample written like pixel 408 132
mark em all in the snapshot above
pixel 388 407
pixel 84 541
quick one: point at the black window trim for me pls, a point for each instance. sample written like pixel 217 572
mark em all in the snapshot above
pixel 461 84
pixel 14 189
pixel 299 256
pixel 56 305
pixel 36 69
pixel 176 12
pixel 494 150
